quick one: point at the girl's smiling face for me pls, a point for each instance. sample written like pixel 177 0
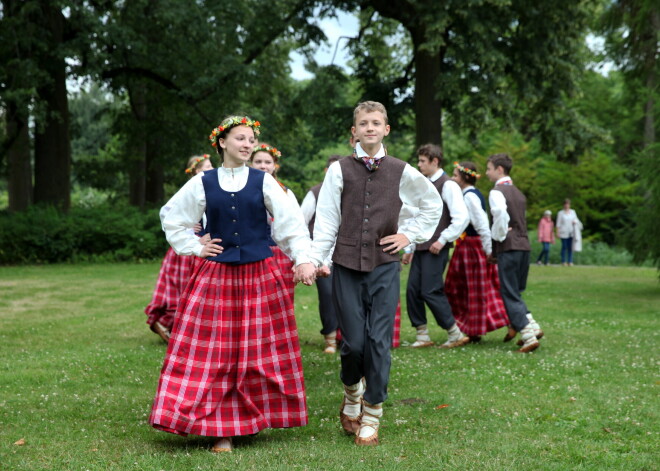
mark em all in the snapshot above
pixel 237 145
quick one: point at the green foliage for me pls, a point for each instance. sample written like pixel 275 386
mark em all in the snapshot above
pixel 104 233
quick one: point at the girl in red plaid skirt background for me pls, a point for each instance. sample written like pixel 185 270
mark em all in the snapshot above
pixel 472 284
pixel 175 269
pixel 267 159
pixel 233 362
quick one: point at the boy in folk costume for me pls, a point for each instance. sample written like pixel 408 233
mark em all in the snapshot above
pixel 327 311
pixel 511 247
pixel 233 363
pixel 359 208
pixel 425 283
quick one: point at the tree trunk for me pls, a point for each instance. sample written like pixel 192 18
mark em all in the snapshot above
pixel 650 66
pixel 18 160
pixel 52 148
pixel 428 108
pixel 155 190
pixel 138 164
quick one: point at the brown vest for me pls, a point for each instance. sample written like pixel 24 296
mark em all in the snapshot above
pixel 445 219
pixel 315 190
pixel 516 206
pixel 370 207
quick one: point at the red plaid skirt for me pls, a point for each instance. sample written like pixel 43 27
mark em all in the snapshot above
pixel 396 334
pixel 233 362
pixel 472 286
pixel 286 267
pixel 174 274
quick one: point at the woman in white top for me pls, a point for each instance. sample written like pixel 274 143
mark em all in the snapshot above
pixel 567 223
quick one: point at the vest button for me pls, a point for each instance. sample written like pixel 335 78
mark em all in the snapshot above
pixel 369 179
pixel 364 245
pixel 233 207
pixel 238 246
pixel 235 233
pixel 366 206
pixel 233 220
pixel 232 195
pixel 366 219
pixel 365 231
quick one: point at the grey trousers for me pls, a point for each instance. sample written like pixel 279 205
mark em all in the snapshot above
pixel 513 267
pixel 366 305
pixel 426 285
pixel 326 306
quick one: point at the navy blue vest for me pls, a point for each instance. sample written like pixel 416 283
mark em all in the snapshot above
pixel 238 218
pixel 470 231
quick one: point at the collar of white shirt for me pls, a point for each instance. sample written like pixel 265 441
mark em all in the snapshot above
pixel 233 171
pixel 467 188
pixel 502 180
pixel 436 175
pixel 359 151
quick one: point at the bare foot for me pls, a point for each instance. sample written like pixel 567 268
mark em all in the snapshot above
pixel 223 444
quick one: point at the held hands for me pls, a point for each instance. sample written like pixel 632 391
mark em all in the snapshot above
pixel 491 258
pixel 323 271
pixel 306 273
pixel 211 248
pixel 436 247
pixel 396 242
pixel 407 258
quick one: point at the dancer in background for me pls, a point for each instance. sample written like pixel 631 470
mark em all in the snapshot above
pixel 175 270
pixel 267 159
pixel 472 284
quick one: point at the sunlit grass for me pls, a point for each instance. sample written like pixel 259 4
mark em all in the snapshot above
pixel 79 367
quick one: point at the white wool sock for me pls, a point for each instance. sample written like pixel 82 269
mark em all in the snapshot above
pixel 454 333
pixel 370 418
pixel 353 395
pixel 423 333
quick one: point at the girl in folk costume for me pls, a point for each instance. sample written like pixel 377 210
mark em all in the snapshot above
pixel 266 158
pixel 472 285
pixel 233 362
pixel 175 270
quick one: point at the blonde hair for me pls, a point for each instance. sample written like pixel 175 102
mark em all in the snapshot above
pixel 195 163
pixel 369 107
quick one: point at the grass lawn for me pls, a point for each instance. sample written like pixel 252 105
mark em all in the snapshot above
pixel 79 368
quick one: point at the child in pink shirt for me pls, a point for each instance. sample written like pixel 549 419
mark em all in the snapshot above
pixel 546 236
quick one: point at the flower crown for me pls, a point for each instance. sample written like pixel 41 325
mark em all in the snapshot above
pixel 230 123
pixel 266 148
pixel 467 171
pixel 191 169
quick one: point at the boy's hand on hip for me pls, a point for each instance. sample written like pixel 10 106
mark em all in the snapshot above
pixel 394 242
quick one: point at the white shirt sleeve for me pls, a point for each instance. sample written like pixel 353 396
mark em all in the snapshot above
pixel 289 229
pixel 453 196
pixel 308 206
pixel 500 227
pixel 328 214
pixel 416 191
pixel 479 220
pixel 186 208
